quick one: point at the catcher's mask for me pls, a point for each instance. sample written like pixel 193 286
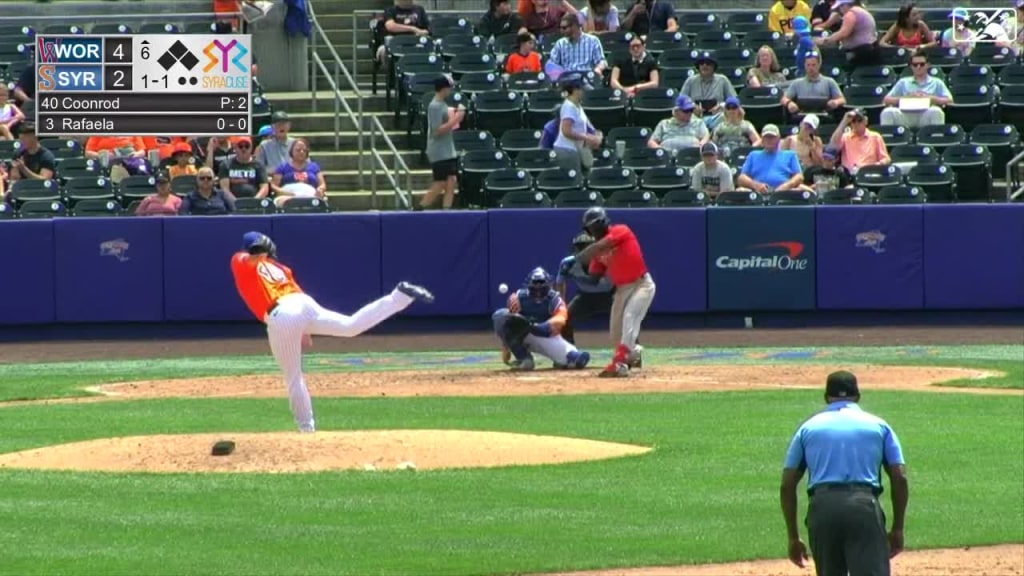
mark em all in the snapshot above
pixel 538 283
pixel 581 241
pixel 595 222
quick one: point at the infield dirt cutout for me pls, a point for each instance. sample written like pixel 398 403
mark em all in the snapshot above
pixel 433 449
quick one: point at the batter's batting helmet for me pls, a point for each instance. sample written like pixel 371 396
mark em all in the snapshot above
pixel 596 221
pixel 258 243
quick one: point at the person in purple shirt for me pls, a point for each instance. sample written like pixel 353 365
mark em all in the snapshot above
pixel 299 177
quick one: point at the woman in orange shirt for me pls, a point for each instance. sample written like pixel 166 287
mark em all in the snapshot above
pixel 525 58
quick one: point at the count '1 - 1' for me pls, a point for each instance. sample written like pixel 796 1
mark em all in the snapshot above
pixel 155 81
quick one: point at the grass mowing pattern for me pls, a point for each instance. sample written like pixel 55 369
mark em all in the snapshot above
pixel 707 493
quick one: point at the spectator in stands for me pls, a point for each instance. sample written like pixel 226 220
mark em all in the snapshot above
pixel 499 20
pixel 3 181
pixel 768 71
pixel 682 130
pixel 33 161
pixel 10 114
pixel 734 131
pixel 164 146
pixel 241 175
pixel 804 43
pixel 1018 41
pixel 920 85
pixel 218 150
pixel 646 16
pixel 25 87
pixel 782 13
pixel 207 199
pixel 276 150
pixel 577 137
pixel 405 17
pixel 909 31
pixel 599 16
pixel 858 35
pixel 444 159
pixel 813 85
pixel 125 155
pixel 711 175
pixel 806 142
pixel 577 51
pixel 829 175
pixel 184 163
pixel 959 35
pixel 525 58
pixel 299 177
pixel 709 89
pixel 823 17
pixel 635 71
pixel 161 203
pixel 859 146
pixel 770 169
pixel 545 20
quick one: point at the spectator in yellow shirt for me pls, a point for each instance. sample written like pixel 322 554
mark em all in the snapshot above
pixel 780 17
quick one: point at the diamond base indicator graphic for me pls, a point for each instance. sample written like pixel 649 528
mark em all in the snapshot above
pixel 184 84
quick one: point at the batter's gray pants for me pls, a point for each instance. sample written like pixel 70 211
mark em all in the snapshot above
pixel 629 308
pixel 846 526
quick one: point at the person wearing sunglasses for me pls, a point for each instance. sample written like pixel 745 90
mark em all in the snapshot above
pixel 207 199
pixel 577 51
pixel 299 177
pixel 241 175
pixel 905 101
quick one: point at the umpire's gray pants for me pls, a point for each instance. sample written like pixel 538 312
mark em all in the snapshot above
pixel 629 308
pixel 846 529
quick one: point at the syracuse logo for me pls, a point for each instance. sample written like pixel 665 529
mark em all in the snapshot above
pixel 117 248
pixel 789 260
pixel 218 54
pixel 871 239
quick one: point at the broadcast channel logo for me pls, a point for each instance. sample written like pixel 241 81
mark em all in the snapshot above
pixel 984 25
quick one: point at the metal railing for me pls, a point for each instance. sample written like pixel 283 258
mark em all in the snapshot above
pixel 403 197
pixel 1014 163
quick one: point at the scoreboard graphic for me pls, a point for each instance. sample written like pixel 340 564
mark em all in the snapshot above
pixel 144 85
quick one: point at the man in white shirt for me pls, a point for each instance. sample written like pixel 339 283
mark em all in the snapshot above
pixel 904 97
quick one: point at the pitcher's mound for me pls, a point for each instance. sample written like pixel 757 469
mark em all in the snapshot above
pixel 294 452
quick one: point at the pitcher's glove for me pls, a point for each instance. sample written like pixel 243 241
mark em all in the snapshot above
pixel 517 328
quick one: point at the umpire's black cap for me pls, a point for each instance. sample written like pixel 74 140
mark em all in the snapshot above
pixel 841 384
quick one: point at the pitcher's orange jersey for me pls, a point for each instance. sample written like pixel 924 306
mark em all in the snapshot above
pixel 261 280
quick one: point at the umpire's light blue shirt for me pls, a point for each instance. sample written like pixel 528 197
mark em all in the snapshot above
pixel 844 445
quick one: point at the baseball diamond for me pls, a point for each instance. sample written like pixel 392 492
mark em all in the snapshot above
pixel 437 459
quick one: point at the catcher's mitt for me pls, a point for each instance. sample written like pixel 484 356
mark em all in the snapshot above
pixel 516 329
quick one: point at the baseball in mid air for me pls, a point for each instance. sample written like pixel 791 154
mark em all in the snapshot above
pixel 503 288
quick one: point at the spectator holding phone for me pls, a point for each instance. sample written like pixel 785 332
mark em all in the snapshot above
pixel 647 16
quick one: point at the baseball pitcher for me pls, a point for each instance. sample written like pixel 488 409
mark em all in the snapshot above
pixel 617 253
pixel 271 293
pixel 533 323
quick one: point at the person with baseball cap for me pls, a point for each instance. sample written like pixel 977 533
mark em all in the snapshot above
pixel 859 145
pixel 734 131
pixel 806 142
pixel 241 175
pixel 843 450
pixel 161 203
pixel 708 89
pixel 770 168
pixel 827 176
pixel 711 175
pixel 682 130
pixel 444 160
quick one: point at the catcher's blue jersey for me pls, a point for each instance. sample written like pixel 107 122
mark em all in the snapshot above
pixel 538 310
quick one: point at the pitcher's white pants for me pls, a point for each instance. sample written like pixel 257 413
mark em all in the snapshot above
pixel 297 315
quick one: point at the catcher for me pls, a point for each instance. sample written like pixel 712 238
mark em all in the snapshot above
pixel 532 323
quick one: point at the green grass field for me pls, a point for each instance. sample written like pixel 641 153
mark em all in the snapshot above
pixel 708 491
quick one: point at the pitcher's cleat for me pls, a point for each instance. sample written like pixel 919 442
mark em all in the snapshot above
pixel 524 365
pixel 416 292
pixel 615 370
pixel 636 359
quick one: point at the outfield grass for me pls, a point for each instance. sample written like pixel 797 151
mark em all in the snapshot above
pixel 708 492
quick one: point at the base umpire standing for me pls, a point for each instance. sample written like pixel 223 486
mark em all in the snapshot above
pixel 845 448
pixel 593 295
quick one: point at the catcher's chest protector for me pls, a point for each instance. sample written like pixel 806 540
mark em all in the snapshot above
pixel 533 309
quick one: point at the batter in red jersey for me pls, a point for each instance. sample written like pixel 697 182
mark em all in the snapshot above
pixel 617 255
pixel 271 293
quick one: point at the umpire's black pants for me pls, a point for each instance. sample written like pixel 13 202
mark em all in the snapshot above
pixel 846 526
pixel 586 305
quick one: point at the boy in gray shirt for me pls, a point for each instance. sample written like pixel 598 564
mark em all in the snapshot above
pixel 712 175
pixel 444 162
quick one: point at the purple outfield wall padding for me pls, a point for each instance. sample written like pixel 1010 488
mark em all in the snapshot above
pixel 674 242
pixel 335 257
pixel 870 257
pixel 517 247
pixel 109 269
pixel 444 251
pixel 28 261
pixel 974 256
pixel 761 259
pixel 198 285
